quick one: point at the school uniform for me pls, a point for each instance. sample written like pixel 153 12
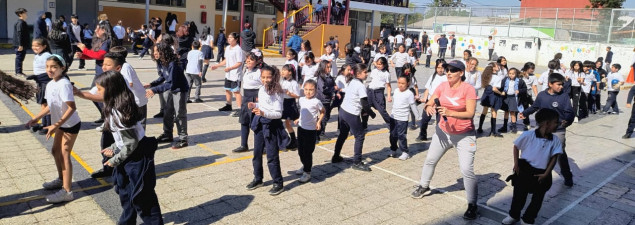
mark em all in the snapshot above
pixel 98 56
pixel 134 172
pixel 510 99
pixel 350 121
pixel 526 99
pixel 173 85
pixel 474 78
pixel 57 94
pixel 332 58
pixel 535 153
pixel 233 77
pixel 375 93
pixel 41 78
pixel 340 82
pixel 289 107
pixel 575 93
pixel 307 133
pixel 192 71
pixel 403 102
pixel 585 95
pixel 611 101
pixel 251 85
pixel 495 101
pixel 308 72
pixel 428 56
pixel 324 92
pixel 431 85
pixel 560 103
pixel 269 135
pixel 399 59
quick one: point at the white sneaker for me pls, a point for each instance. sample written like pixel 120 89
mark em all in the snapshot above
pixel 509 220
pixel 306 177
pixel 100 128
pixel 404 156
pixel 52 185
pixel 300 171
pixel 60 196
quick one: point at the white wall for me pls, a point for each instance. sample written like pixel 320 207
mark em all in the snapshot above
pixel 32 7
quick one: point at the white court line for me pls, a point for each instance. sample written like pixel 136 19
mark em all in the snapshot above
pixel 417 182
pixel 588 193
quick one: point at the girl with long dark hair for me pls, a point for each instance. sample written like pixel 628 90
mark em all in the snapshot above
pixel 100 46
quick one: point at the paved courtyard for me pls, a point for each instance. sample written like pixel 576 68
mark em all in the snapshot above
pixel 204 183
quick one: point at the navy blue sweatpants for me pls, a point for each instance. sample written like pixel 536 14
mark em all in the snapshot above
pixel 398 133
pixel 350 123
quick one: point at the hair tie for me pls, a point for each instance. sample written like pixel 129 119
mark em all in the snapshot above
pixel 60 58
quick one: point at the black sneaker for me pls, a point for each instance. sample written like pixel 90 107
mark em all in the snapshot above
pixel 101 173
pixel 189 101
pixel 36 128
pixel 180 144
pixel 98 122
pixel 337 159
pixel 393 154
pixel 502 129
pixel 226 108
pixel 413 127
pixel 276 189
pixel 198 100
pixel 568 182
pixel 204 80
pixel 626 136
pixel 292 146
pixel 323 137
pixel 43 131
pixel 421 138
pixel 241 149
pixel 494 134
pixel 164 138
pixel 254 184
pixel 479 131
pixel 420 191
pixel 470 213
pixel 361 167
pixel 158 115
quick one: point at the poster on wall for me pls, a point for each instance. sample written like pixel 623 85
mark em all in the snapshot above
pixel 528 45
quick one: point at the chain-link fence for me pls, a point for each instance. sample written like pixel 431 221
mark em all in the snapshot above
pixel 565 24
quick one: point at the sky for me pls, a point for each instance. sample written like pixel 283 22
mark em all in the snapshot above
pixel 501 3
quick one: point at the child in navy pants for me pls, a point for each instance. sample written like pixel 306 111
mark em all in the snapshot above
pixel 403 102
pixel 631 121
pixel 311 114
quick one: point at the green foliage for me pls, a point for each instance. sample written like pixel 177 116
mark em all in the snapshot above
pixel 606 3
pixel 447 3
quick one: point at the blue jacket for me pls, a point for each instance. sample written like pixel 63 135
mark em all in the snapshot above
pixel 443 42
pixel 559 102
pixel 172 79
pixel 71 35
pixel 40 30
pixel 294 42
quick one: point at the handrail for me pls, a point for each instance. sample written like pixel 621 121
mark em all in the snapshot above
pixel 264 31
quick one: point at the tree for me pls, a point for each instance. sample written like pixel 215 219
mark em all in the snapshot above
pixel 606 3
pixel 447 3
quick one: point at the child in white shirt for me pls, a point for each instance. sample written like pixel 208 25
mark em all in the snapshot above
pixel 403 102
pixel 193 71
pixel 311 114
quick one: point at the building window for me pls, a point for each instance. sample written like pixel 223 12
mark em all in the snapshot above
pixel 175 3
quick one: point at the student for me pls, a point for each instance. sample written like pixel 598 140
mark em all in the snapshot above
pixel 290 110
pixel 355 103
pixel 341 82
pixel 131 153
pixel 631 121
pixel 404 101
pixel 489 100
pixel 575 74
pixel 535 154
pixel 173 86
pixel 100 46
pixel 207 47
pixel 511 86
pixel 309 68
pixel 437 78
pixel 586 82
pixel 456 129
pixel 600 75
pixel 472 75
pixel 554 67
pixel 149 39
pixel 379 82
pixel 42 52
pixel 292 59
pixel 193 71
pixel 66 126
pixel 412 56
pixel 554 98
pixel 233 71
pixel 330 56
pixel 467 54
pixel 76 36
pixel 251 84
pixel 398 59
pixel 502 66
pixel 311 115
pixel 306 48
pixel 268 121
pixel 614 81
pixel 527 99
pixel 20 39
pixel 409 70
pixel 380 54
pixel 324 92
pixel 352 57
pixel 60 42
pixel 428 55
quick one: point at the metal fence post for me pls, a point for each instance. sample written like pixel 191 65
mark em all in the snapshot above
pixel 469 21
pixel 555 26
pixel 591 25
pixel 608 40
pixel 572 22
pixel 509 23
pixel 434 24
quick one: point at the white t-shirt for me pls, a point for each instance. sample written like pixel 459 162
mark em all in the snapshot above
pixel 269 105
pixel 57 94
pixel 309 112
pixel 119 31
pixel 496 80
pixel 474 79
pixel 331 58
pixel 76 31
pixel 352 100
pixel 290 85
pixel 399 59
pixel 251 80
pixel 399 38
pixel 39 63
pixel 391 39
pixel 490 45
pixel 408 42
pixel 613 76
pixel 537 151
pixel 193 59
pixel 588 80
pixel 308 71
pixel 172 26
pixel 574 77
pixel 292 62
pixel 530 81
pixel 340 81
pixel 544 79
pixel 378 79
pixel 130 75
pixel 511 88
pixel 379 55
pixel 209 38
pixel 432 85
pixel 49 24
pixel 234 55
pixel 401 104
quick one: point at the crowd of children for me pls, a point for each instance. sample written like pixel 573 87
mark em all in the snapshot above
pixel 303 93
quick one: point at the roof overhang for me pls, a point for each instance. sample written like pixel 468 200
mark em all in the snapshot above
pixel 363 6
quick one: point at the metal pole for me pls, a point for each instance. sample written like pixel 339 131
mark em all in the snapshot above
pixel 555 26
pixel 242 17
pixel 572 21
pixel 591 25
pixel 632 31
pixel 348 6
pixel 509 23
pixel 372 22
pixel 608 40
pixel 284 27
pixel 469 21
pixel 540 18
pixel 328 13
pixel 434 24
pixel 225 3
pixel 405 25
pixel 147 12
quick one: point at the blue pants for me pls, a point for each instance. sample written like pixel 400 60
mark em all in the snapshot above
pixel 135 180
pixel 19 58
pixel 398 133
pixel 350 123
pixel 631 122
pixel 270 146
pixel 611 101
pixel 377 100
pixel 327 117
pixel 425 119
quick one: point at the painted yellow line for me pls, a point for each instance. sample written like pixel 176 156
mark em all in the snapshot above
pixel 209 149
pixel 32 198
